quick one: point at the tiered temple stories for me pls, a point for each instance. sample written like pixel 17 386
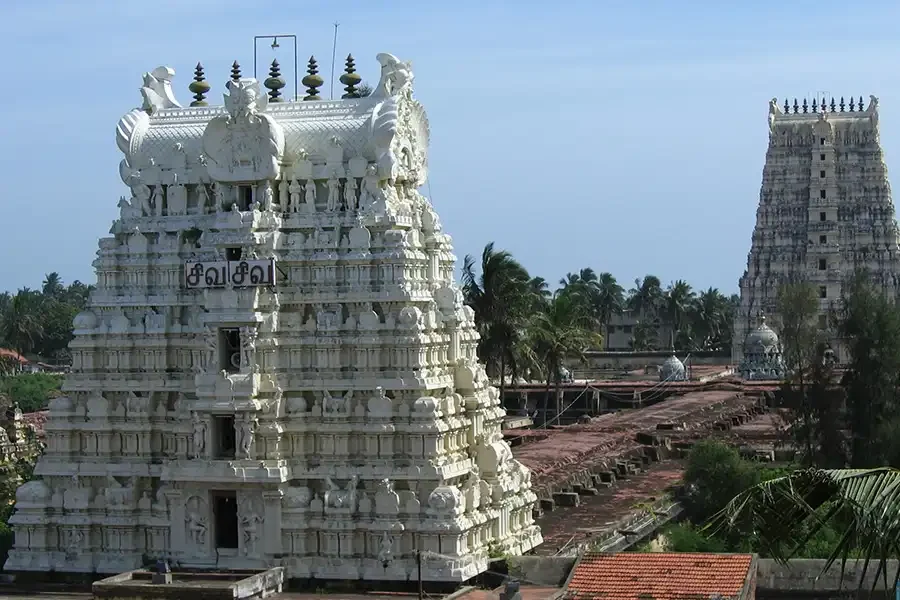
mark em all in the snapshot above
pixel 276 366
pixel 825 211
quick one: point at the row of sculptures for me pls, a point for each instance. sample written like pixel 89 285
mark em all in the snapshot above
pixel 344 194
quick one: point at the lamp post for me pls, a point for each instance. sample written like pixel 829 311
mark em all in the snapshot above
pixel 275 45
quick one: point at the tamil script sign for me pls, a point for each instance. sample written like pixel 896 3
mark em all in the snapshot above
pixel 225 273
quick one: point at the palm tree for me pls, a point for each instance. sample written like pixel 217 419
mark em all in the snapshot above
pixel 645 298
pixel 564 330
pixel 21 327
pixel 786 512
pixel 677 302
pixel 52 286
pixel 710 317
pixel 501 298
pixel 610 300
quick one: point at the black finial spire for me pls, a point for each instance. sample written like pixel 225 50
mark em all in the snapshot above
pixel 852 104
pixel 796 106
pixel 275 82
pixel 860 105
pixel 235 71
pixel 832 104
pixel 350 78
pixel 313 80
pixel 815 105
pixel 805 106
pixel 787 108
pixel 842 105
pixel 199 86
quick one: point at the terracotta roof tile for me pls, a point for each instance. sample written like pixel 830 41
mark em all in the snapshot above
pixel 659 575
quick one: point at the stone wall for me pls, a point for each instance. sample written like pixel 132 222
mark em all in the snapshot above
pixel 803 578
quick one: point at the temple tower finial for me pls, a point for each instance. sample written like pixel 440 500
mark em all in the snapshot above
pixel 313 81
pixel 199 87
pixel 350 78
pixel 235 71
pixel 275 82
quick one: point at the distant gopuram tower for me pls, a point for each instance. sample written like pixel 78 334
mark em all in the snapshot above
pixel 825 209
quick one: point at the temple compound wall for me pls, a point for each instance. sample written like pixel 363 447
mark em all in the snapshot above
pixel 277 367
pixel 825 211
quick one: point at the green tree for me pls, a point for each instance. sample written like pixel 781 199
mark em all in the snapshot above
pixel 788 512
pixel 645 299
pixel 869 323
pixel 21 327
pixel 798 307
pixel 715 473
pixel 677 302
pixel 562 331
pixel 501 296
pixel 710 317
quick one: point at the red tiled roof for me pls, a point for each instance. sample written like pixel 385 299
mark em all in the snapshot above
pixel 659 575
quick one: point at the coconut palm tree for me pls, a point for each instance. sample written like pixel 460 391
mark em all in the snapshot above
pixel 53 286
pixel 564 330
pixel 610 299
pixel 710 319
pixel 677 301
pixel 645 298
pixel 786 512
pixel 21 328
pixel 501 297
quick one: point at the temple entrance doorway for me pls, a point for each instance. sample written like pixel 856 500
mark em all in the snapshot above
pixel 225 518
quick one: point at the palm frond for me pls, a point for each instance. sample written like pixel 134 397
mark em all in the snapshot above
pixel 863 503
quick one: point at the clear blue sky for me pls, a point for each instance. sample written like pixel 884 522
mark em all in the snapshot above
pixel 628 137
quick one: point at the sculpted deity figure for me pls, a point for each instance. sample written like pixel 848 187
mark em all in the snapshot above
pixel 158 200
pixel 202 198
pixel 248 346
pixel 142 195
pixel 295 189
pixel 329 403
pixel 210 350
pixel 198 436
pixel 386 548
pixel 251 522
pixel 268 196
pixel 371 191
pixel 334 194
pixel 196 526
pixel 283 194
pixel 219 191
pixel 350 199
pixel 310 195
pixel 335 497
pixel 246 429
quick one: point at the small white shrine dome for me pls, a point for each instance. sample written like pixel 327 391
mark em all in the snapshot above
pixel 85 320
pixel 762 338
pixel 672 370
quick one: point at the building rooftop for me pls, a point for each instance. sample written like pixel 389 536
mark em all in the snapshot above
pixel 660 575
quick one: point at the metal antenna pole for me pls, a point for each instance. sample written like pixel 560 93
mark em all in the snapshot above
pixel 333 55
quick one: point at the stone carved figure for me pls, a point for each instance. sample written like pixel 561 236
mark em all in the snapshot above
pixel 202 198
pixel 268 196
pixel 350 199
pixel 335 497
pixel 210 350
pixel 295 190
pixel 245 144
pixel 283 194
pixel 310 195
pixel 250 524
pixel 334 194
pixel 386 549
pixel 371 191
pixel 157 90
pixel 177 197
pixel 195 523
pixel 158 200
pixel 246 431
pixel 74 542
pixel 248 347
pixel 141 199
pixel 219 193
pixel 198 435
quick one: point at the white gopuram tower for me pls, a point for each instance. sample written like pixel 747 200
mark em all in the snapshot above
pixel 825 211
pixel 276 367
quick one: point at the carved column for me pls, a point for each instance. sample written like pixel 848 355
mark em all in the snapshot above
pixel 175 501
pixel 272 508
